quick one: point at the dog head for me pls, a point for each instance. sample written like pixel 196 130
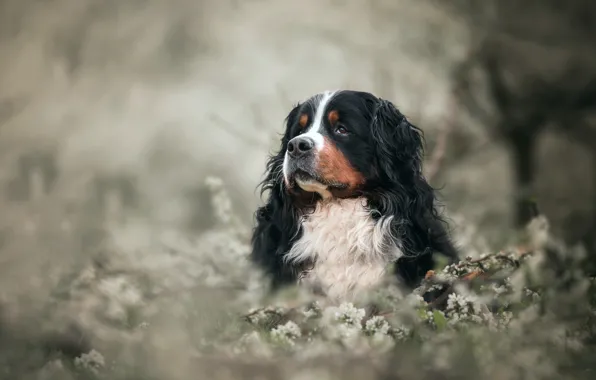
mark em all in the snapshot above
pixel 344 143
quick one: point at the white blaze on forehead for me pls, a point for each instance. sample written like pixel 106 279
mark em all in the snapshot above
pixel 320 103
pixel 285 168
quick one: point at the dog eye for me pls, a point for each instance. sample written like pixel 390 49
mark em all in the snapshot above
pixel 341 130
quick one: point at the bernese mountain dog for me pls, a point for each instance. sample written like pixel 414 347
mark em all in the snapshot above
pixel 347 198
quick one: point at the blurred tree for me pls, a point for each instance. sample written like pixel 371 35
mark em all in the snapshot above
pixel 36 175
pixel 531 66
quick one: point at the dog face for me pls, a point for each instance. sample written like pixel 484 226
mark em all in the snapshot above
pixel 338 144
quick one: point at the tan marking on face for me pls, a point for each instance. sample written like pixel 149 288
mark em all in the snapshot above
pixel 303 121
pixel 334 167
pixel 333 117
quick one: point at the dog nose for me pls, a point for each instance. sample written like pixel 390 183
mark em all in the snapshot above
pixel 300 146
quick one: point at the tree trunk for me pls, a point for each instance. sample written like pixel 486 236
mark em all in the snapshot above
pixel 523 145
pixel 589 239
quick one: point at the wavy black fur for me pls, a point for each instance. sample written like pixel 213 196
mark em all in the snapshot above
pixel 390 156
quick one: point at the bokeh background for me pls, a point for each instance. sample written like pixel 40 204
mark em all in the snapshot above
pixel 122 122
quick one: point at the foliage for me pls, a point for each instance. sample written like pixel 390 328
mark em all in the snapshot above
pixel 524 312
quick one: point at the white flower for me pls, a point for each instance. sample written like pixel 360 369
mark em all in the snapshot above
pixel 343 323
pixel 309 313
pixel 499 290
pixel 92 361
pixel 222 204
pixel 504 318
pixel 415 300
pixel 453 271
pixel 312 310
pixel 349 314
pixel 377 325
pixel 346 332
pixel 461 309
pixel 534 296
pixel 402 333
pixel 286 333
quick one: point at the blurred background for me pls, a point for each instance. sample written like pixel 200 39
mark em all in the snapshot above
pixel 122 121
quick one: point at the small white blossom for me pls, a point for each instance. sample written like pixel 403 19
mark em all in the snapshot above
pixel 453 271
pixel 222 204
pixel 402 333
pixel 415 300
pixel 503 319
pixel 428 316
pixel 499 290
pixel 346 332
pixel 532 295
pixel 349 314
pixel 462 309
pixel 309 313
pixel 377 325
pixel 92 361
pixel 286 333
pixel 312 311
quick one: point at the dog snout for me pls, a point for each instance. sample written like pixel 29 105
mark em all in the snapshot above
pixel 300 146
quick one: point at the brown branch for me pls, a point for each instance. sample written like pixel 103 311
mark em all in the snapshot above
pixel 480 273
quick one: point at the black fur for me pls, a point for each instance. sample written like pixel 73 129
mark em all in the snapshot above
pixel 388 150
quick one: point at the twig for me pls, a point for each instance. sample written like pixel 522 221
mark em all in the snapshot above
pixel 431 278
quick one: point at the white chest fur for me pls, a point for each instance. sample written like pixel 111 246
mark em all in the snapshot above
pixel 349 249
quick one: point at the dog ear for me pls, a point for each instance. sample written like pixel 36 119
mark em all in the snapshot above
pixel 276 228
pixel 276 221
pixel 399 143
pixel 273 171
pixel 410 198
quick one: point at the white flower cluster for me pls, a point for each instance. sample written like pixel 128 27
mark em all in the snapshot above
pixel 381 333
pixel 377 325
pixel 433 318
pixel 93 361
pixel 349 314
pixel 415 300
pixel 221 202
pixel 464 309
pixel 310 313
pixel 402 333
pixel 454 271
pixel 287 333
pixel 500 289
pixel 343 323
pixel 531 295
